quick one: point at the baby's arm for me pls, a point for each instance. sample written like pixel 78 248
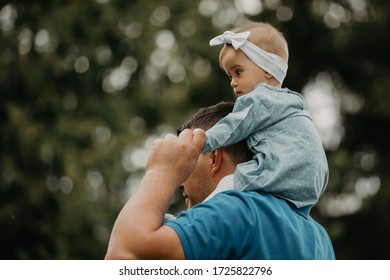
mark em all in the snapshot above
pixel 249 115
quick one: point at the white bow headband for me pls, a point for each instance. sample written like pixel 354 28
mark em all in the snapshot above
pixel 269 62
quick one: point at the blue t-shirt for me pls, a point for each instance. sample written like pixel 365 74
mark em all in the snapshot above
pixel 250 225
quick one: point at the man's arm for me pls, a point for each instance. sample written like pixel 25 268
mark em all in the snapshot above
pixel 137 233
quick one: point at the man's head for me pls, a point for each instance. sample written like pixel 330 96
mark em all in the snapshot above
pixel 213 166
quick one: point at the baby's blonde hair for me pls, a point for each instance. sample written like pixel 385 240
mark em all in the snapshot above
pixel 266 37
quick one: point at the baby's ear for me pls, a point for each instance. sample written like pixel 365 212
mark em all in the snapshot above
pixel 268 75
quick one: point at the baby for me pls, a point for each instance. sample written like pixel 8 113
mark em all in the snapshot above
pixel 289 160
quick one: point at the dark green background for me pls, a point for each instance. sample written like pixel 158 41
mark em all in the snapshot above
pixel 83 92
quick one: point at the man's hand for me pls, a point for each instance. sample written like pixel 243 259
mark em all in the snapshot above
pixel 176 157
pixel 171 161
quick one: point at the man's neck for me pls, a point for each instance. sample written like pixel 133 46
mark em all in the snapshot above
pixel 225 184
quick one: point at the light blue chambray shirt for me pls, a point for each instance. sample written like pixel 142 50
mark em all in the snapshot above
pixel 289 160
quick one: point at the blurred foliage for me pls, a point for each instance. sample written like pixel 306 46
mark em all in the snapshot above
pixel 85 86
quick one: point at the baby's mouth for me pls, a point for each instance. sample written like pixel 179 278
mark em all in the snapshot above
pixel 238 93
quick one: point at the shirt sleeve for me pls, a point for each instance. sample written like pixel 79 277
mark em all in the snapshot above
pixel 253 112
pixel 248 116
pixel 206 230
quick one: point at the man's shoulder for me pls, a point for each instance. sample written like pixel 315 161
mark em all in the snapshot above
pixel 232 203
pixel 249 207
pixel 247 195
pixel 258 201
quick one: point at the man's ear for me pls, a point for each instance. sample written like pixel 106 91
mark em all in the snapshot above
pixel 217 161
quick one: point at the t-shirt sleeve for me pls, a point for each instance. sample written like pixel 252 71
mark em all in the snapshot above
pixel 212 230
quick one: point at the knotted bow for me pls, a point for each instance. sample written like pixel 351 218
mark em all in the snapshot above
pixel 229 37
pixel 269 62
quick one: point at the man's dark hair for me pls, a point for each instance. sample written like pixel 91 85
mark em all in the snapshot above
pixel 207 117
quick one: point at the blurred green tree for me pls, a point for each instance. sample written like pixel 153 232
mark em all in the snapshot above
pixel 87 85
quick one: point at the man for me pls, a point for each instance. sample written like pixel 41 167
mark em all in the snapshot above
pixel 198 187
pixel 230 224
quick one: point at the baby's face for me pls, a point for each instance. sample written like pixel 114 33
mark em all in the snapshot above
pixel 244 74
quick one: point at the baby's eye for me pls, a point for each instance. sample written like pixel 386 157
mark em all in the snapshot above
pixel 238 72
